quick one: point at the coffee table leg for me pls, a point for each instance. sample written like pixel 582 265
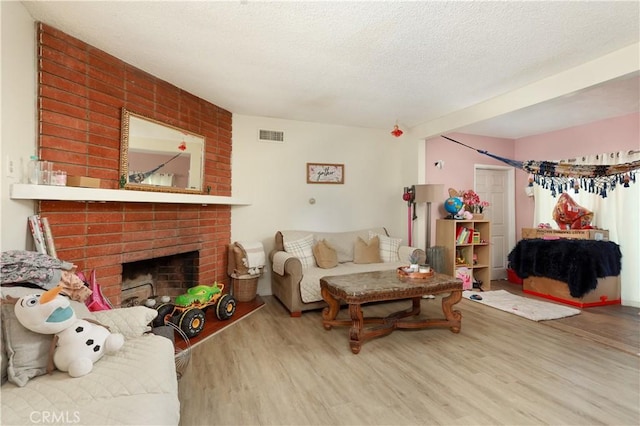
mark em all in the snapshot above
pixel 415 306
pixel 357 324
pixel 449 313
pixel 329 313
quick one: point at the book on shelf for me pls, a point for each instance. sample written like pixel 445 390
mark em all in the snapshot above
pixel 464 235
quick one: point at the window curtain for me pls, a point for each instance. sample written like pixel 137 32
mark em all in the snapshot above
pixel 619 213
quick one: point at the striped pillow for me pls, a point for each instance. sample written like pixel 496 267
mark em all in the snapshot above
pixel 302 249
pixel 388 247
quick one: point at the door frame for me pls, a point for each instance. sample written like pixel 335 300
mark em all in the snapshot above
pixel 511 198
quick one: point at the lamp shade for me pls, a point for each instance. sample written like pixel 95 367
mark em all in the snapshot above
pixel 429 193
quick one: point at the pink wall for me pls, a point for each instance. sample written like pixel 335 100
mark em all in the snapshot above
pixel 457 171
pixel 614 134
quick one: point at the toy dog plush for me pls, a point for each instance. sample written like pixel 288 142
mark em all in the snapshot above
pixel 78 343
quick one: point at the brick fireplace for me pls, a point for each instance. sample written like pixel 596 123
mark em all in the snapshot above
pixel 81 93
pixel 161 276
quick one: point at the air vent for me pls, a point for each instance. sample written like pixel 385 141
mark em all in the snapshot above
pixel 271 136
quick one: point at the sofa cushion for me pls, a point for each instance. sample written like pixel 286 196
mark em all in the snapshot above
pixel 341 242
pixel 326 256
pixel 310 284
pixel 388 247
pixel 367 252
pixel 302 249
pixel 131 322
pixel 27 351
pixel 137 385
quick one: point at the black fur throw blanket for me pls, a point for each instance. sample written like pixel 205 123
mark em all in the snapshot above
pixel 579 263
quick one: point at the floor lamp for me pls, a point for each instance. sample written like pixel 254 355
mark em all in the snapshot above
pixel 429 193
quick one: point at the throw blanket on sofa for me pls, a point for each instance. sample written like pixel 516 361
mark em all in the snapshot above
pixel 255 257
pixel 579 263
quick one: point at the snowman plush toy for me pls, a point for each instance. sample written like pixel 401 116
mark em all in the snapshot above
pixel 77 343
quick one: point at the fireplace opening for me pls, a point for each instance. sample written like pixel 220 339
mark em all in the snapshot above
pixel 160 276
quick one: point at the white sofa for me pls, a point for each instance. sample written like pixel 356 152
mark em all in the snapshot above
pixel 298 286
pixel 137 385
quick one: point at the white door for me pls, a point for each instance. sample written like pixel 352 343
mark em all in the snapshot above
pixel 492 184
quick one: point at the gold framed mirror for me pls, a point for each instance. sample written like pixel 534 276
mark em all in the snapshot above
pixel 156 156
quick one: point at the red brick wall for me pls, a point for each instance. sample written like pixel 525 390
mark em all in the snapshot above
pixel 82 91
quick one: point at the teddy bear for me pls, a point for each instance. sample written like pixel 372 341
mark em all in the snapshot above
pixel 78 343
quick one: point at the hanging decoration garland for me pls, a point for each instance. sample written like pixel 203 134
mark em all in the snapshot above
pixel 561 177
pixel 140 177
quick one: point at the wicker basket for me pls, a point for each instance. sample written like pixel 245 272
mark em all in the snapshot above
pixel 245 287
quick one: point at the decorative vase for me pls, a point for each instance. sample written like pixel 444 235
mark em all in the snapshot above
pixel 478 216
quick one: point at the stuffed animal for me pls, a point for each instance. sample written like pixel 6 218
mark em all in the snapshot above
pixel 78 343
pixel 455 206
pixel 570 215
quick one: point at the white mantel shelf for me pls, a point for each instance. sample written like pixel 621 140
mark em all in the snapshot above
pixel 71 193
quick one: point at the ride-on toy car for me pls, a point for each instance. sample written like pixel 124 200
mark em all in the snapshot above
pixel 188 310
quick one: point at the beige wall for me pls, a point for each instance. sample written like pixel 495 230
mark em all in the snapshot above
pixel 18 118
pixel 272 177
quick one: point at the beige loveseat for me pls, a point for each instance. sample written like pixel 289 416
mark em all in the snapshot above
pixel 137 385
pixel 295 278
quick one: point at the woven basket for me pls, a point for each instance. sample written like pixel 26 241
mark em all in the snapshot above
pixel 245 288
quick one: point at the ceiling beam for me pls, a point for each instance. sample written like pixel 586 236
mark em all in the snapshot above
pixel 608 67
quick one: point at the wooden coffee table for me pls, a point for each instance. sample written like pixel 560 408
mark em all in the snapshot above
pixel 356 289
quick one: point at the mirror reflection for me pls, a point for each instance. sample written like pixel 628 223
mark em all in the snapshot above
pixel 158 157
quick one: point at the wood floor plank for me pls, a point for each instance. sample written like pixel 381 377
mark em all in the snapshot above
pixel 271 369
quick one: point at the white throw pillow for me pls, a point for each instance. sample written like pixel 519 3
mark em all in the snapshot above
pixel 388 247
pixel 27 351
pixel 130 322
pixel 302 249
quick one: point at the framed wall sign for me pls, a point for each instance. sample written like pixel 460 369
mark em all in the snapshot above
pixel 325 173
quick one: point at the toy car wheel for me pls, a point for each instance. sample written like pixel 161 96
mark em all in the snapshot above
pixel 164 314
pixel 226 307
pixel 192 322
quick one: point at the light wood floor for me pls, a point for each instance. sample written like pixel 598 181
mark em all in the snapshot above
pixel 271 369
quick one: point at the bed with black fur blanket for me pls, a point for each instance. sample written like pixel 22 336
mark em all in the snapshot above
pixel 579 263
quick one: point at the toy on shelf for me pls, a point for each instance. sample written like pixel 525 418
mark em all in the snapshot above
pixel 464 205
pixel 464 274
pixel 460 260
pixel 453 205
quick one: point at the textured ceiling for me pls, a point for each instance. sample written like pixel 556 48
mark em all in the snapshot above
pixel 364 64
